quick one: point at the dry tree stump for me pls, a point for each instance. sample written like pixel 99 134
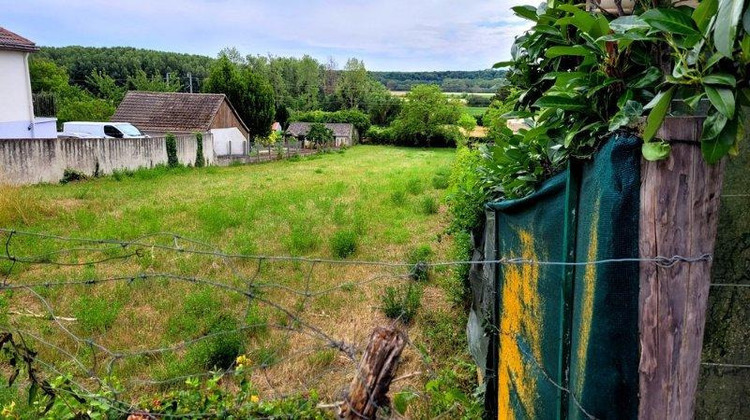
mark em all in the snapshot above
pixel 376 371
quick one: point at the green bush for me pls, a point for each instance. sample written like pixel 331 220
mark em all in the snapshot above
pixel 428 205
pixel 402 302
pixel 200 159
pixel 466 195
pixel 358 119
pixel 95 315
pixel 72 175
pixel 418 258
pixel 458 287
pixel 380 135
pixel 344 243
pixel 171 142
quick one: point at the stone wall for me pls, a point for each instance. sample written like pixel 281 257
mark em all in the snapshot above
pixel 33 161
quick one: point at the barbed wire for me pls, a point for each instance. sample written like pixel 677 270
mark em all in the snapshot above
pixel 248 283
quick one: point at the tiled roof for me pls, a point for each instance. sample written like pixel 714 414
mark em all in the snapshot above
pixel 15 42
pixel 166 111
pixel 297 129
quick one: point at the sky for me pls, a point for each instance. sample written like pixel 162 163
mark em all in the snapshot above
pixel 400 35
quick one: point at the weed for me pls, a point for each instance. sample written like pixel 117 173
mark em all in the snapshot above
pixel 302 239
pixel 428 205
pixel 95 315
pixel 344 243
pixel 221 349
pixel 322 359
pixel 414 186
pixel 318 171
pixel 398 198
pixel 17 206
pixel 403 302
pixel 72 175
pixel 441 179
pixel 419 257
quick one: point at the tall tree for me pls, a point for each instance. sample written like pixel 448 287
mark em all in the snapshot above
pixel 155 83
pixel 259 103
pixel 425 113
pixel 353 84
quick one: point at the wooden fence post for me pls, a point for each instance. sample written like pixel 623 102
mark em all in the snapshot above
pixel 678 217
pixel 377 368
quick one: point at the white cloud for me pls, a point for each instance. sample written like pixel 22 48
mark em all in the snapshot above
pixel 387 34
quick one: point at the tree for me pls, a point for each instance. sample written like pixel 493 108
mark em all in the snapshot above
pixel 424 114
pixel 382 105
pixel 155 83
pixel 105 87
pixel 46 76
pixel 353 84
pixel 319 134
pixel 259 104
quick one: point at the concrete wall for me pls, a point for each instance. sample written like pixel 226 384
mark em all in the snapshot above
pixel 16 107
pixel 229 142
pixel 32 161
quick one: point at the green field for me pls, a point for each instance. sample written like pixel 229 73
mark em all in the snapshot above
pixel 385 202
pixel 476 111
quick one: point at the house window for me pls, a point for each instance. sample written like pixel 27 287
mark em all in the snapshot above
pixel 111 131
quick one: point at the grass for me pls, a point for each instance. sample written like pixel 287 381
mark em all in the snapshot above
pixel 476 111
pixel 363 204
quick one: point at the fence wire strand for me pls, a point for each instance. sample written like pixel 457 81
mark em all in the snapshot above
pixel 247 283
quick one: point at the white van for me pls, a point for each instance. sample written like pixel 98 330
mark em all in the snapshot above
pixel 116 130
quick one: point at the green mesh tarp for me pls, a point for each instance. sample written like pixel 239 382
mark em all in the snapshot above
pixel 563 339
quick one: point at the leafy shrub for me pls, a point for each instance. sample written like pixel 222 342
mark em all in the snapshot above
pixel 419 257
pixel 72 175
pixel 402 302
pixel 344 243
pixel 200 159
pixel 428 205
pixel 478 101
pixel 171 143
pixel 95 315
pixel 380 135
pixel 320 134
pixel 358 119
pixel 458 287
pixel 398 197
pixel 466 194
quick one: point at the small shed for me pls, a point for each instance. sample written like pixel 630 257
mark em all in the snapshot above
pixel 158 113
pixel 344 134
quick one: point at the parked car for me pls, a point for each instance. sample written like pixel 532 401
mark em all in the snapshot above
pixel 117 130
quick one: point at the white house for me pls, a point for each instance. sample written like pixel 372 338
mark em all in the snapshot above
pixel 17 119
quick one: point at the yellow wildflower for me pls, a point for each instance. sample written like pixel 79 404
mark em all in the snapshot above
pixel 9 409
pixel 254 399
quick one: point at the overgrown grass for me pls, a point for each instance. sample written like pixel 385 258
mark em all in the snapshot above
pixel 357 204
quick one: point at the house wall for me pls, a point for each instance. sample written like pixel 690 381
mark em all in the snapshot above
pixel 32 161
pixel 229 142
pixel 226 118
pixel 16 108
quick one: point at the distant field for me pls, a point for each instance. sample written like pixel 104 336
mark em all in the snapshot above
pixel 385 198
pixel 403 93
pixel 476 111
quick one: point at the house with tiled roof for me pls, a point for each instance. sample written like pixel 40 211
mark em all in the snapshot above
pixel 158 113
pixel 17 120
pixel 343 134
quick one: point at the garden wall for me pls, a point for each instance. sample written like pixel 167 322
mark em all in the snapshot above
pixel 33 161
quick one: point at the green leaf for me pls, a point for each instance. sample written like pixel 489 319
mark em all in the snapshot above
pixel 503 64
pixel 628 23
pixel 722 99
pixel 647 78
pixel 526 12
pixel 746 20
pixel 660 105
pixel 656 150
pixel 703 14
pixel 720 79
pixel 560 102
pixel 713 126
pixel 576 50
pixel 718 147
pixel 726 31
pixel 671 21
pixel 401 401
pixel 580 19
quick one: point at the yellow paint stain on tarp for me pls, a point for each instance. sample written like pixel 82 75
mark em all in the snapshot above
pixel 520 319
pixel 587 305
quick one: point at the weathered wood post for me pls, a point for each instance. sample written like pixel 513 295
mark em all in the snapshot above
pixel 678 217
pixel 377 368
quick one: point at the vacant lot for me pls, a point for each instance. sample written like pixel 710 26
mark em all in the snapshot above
pixel 149 314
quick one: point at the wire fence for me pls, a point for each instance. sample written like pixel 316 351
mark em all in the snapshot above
pixel 126 319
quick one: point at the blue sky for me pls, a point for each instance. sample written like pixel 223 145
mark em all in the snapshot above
pixel 408 35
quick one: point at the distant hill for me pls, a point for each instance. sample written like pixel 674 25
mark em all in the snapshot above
pixel 481 81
